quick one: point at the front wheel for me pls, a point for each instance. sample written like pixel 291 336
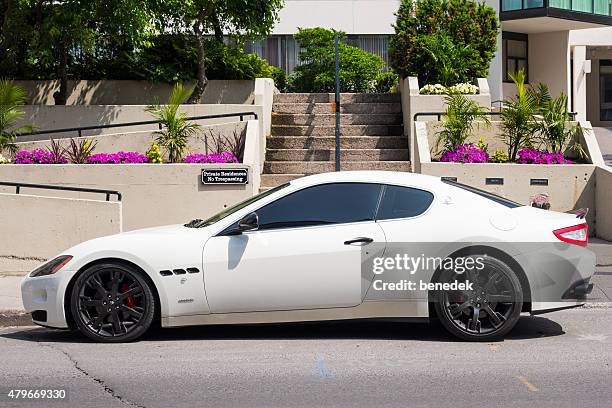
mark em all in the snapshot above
pixel 112 303
pixel 486 312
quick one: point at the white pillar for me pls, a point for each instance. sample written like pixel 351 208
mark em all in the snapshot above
pixel 581 67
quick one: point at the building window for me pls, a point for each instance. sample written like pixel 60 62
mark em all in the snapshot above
pixel 284 52
pixel 605 90
pixel 514 50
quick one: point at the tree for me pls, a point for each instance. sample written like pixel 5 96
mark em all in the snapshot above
pixel 64 31
pixel 465 23
pixel 238 18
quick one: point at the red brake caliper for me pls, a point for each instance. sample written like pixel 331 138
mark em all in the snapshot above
pixel 130 301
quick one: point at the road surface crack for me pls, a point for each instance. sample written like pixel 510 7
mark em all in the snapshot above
pixel 95 379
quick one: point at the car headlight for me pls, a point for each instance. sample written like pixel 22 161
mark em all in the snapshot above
pixel 52 266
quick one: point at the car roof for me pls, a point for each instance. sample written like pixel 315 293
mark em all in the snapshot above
pixel 370 176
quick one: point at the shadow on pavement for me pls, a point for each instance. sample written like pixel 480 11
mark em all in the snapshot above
pixel 528 327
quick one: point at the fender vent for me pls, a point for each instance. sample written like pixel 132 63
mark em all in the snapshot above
pixel 165 272
pixel 179 271
pixel 193 270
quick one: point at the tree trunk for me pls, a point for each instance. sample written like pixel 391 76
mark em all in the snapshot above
pixel 62 74
pixel 217 28
pixel 202 80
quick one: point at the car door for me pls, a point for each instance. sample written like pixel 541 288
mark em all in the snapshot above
pixel 306 253
pixel 410 227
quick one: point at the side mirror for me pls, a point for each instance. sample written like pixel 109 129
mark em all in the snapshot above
pixel 249 222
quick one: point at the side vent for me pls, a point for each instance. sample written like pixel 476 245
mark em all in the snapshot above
pixel 165 272
pixel 193 270
pixel 179 271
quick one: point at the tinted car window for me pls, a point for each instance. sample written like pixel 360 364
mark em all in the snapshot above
pixel 334 203
pixel 403 202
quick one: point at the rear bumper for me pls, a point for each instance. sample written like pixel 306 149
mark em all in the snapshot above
pixel 559 276
pixel 43 297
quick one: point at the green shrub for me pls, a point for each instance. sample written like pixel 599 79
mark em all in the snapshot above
pixel 460 27
pixel 518 125
pixel 358 68
pixel 12 97
pixel 176 129
pixel 154 154
pixel 458 121
pixel 386 82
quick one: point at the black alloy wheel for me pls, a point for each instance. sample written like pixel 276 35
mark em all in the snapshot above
pixel 112 303
pixel 488 311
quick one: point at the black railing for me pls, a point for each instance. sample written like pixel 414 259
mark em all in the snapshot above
pixel 80 129
pixel 440 114
pixel 19 186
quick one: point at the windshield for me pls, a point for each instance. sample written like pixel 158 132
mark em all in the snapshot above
pixel 493 197
pixel 228 211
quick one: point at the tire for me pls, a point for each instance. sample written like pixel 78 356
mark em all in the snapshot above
pixel 112 303
pixel 497 295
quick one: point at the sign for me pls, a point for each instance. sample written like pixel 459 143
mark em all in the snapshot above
pixel 494 181
pixel 225 176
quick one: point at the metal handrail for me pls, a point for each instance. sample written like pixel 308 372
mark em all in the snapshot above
pixel 18 187
pixel 80 129
pixel 440 114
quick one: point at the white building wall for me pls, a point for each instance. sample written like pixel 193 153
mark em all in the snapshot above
pixel 549 61
pixel 350 16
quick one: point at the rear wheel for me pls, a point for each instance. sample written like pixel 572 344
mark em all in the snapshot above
pixel 488 311
pixel 112 303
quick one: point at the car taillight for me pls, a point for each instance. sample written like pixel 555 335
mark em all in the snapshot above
pixel 578 234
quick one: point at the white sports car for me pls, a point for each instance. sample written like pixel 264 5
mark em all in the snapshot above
pixel 316 249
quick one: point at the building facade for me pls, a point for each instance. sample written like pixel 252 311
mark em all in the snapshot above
pixel 564 43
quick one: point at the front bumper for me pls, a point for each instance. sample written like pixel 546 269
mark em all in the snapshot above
pixel 43 297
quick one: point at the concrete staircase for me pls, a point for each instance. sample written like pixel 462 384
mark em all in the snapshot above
pixel 303 135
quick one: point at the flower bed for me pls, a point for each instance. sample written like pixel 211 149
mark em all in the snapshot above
pixel 42 156
pixel 224 157
pixel 439 89
pixel 118 158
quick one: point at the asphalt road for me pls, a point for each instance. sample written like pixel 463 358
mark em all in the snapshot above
pixel 556 360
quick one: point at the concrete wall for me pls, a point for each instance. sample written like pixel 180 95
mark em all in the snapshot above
pixel 603 203
pixel 413 102
pixel 204 142
pixel 350 16
pixel 153 194
pixel 570 186
pixel 57 117
pixel 119 92
pixel 549 61
pixel 36 228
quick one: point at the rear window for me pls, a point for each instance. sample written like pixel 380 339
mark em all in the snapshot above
pixel 493 197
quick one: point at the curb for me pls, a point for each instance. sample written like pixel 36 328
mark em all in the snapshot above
pixel 15 318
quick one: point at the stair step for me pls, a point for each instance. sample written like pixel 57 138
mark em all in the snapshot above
pixel 354 142
pixel 329 119
pixel 273 180
pixel 307 167
pixel 348 155
pixel 323 108
pixel 330 97
pixel 345 130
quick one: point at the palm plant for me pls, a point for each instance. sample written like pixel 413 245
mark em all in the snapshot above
pixel 448 58
pixel 458 121
pixel 517 117
pixel 176 130
pixel 11 98
pixel 554 126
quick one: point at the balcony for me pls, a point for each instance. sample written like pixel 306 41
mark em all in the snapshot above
pixel 537 16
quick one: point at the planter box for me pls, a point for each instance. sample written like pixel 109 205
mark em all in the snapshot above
pixel 569 186
pixel 153 194
pixel 413 103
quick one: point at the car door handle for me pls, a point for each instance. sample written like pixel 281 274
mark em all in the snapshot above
pixel 359 240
